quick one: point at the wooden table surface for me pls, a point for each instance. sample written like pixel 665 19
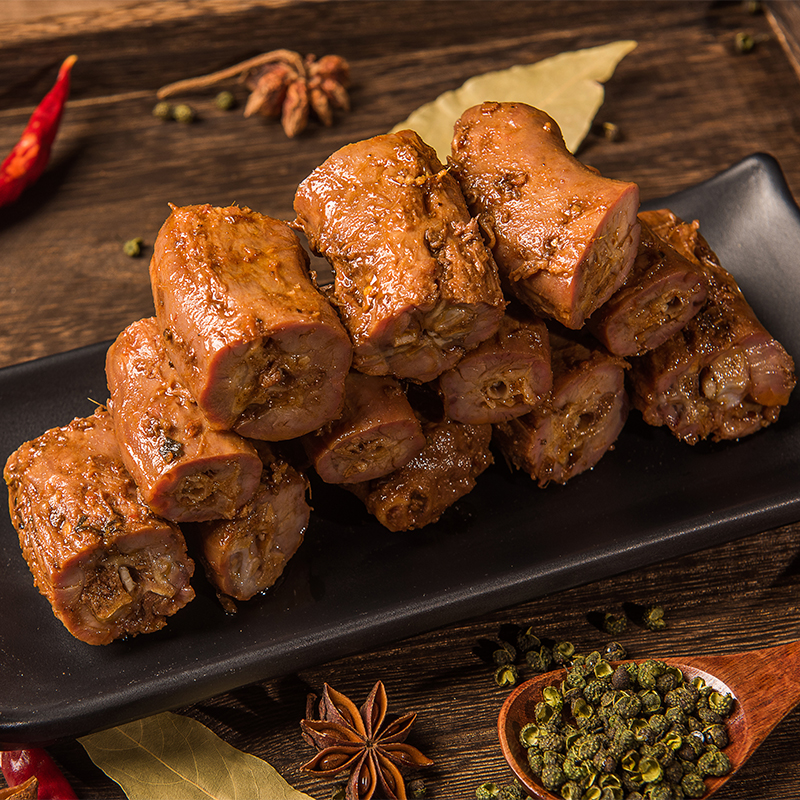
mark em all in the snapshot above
pixel 687 106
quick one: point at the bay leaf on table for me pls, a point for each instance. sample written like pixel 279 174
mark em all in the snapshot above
pixel 568 86
pixel 168 756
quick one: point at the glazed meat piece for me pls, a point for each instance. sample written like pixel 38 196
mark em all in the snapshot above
pixel 564 237
pixel 186 471
pixel 376 434
pixel 247 554
pixel 109 567
pixel 504 377
pixel 254 341
pixel 723 376
pixel 446 470
pixel 414 282
pixel 664 290
pixel 580 421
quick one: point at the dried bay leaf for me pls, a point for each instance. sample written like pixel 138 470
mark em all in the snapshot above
pixel 169 756
pixel 567 86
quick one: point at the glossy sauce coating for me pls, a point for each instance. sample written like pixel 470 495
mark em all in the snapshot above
pixel 563 236
pixel 247 554
pixel 414 281
pixel 663 291
pixel 185 470
pixel 572 430
pixel 723 375
pixel 417 494
pixel 376 433
pixel 256 343
pixel 504 377
pixel 109 567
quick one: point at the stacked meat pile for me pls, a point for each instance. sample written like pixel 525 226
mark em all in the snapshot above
pixel 515 296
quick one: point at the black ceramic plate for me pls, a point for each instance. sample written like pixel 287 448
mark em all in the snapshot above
pixel 354 585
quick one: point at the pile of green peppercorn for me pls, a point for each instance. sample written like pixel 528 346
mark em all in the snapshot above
pixel 630 732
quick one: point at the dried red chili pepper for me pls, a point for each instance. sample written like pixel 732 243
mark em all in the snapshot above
pixel 26 162
pixel 19 766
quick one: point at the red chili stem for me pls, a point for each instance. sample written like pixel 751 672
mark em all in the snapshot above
pixel 26 162
pixel 19 765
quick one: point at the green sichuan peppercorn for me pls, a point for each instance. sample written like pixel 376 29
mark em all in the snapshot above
pixel 614 624
pixel 653 618
pixel 184 113
pixel 507 675
pixel 133 247
pixel 225 100
pixel 626 743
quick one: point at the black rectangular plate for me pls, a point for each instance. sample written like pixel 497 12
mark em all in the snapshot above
pixel 353 585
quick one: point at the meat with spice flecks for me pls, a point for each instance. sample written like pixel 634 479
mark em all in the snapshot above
pixel 580 421
pixel 447 468
pixel 504 377
pixel 663 291
pixel 253 339
pixel 376 433
pixel 109 567
pixel 185 469
pixel 414 281
pixel 722 376
pixel 564 237
pixel 247 554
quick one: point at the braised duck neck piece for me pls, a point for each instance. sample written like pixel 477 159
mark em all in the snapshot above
pixel 578 423
pixel 109 567
pixel 504 377
pixel 185 469
pixel 446 470
pixel 376 433
pixel 723 375
pixel 247 554
pixel 414 282
pixel 252 338
pixel 663 291
pixel 564 237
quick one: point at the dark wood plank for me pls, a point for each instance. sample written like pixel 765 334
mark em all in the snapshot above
pixel 687 105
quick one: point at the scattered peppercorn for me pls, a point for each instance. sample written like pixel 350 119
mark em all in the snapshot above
pixel 507 675
pixel 163 110
pixel 614 624
pixel 744 42
pixel 612 132
pixel 133 247
pixel 225 101
pixel 184 113
pixel 653 618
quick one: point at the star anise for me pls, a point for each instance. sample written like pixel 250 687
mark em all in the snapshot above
pixel 362 743
pixel 283 84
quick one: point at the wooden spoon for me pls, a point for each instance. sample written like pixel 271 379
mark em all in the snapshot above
pixel 765 684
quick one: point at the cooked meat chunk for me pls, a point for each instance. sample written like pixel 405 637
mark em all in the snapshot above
pixel 414 282
pixel 376 434
pixel 664 290
pixel 722 376
pixel 254 341
pixel 580 421
pixel 504 377
pixel 564 237
pixel 446 470
pixel 186 471
pixel 109 567
pixel 247 554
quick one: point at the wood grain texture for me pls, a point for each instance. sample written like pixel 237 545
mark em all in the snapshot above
pixel 688 107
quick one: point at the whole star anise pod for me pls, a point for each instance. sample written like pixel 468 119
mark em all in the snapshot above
pixel 362 743
pixel 283 84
